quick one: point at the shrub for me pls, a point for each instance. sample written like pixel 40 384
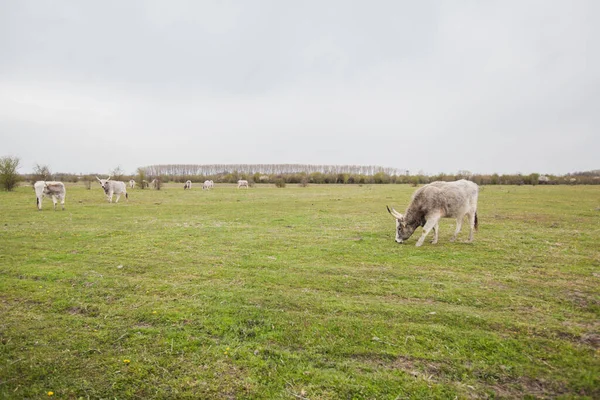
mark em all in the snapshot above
pixel 280 182
pixel 9 178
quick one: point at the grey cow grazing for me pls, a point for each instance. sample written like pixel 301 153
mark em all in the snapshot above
pixel 434 201
pixel 53 189
pixel 113 187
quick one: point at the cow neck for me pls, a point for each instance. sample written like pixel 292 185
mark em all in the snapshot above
pixel 414 217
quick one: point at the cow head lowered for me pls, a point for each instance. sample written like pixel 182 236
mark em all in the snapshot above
pixel 403 230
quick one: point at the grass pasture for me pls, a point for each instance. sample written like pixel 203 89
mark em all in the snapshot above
pixel 297 293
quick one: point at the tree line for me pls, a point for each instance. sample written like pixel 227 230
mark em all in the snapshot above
pixel 282 174
pixel 173 170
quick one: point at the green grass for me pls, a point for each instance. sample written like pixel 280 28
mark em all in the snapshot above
pixel 297 293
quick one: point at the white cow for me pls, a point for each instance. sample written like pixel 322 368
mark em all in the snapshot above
pixel 243 183
pixel 188 184
pixel 113 187
pixel 434 201
pixel 154 183
pixel 55 190
pixel 208 185
pixel 132 183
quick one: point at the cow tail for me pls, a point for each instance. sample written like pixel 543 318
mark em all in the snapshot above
pixel 127 197
pixel 476 223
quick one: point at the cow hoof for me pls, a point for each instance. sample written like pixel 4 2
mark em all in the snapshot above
pixel 434 242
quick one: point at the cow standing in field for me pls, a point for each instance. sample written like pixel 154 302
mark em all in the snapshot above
pixel 434 201
pixel 208 185
pixel 154 183
pixel 113 187
pixel 132 184
pixel 52 189
pixel 243 183
pixel 188 184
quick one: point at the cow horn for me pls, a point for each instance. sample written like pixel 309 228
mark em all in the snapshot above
pixel 394 213
pixel 108 179
pixel 98 179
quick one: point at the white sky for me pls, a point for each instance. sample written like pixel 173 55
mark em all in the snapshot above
pixel 437 86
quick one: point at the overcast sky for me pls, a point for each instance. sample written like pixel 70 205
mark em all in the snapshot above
pixel 432 86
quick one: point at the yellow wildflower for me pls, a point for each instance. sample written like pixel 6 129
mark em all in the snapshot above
pixel 126 361
pixel 50 393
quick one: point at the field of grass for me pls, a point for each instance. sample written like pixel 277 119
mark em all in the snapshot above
pixel 297 293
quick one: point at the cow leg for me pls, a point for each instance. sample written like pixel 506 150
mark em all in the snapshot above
pixel 54 201
pixel 430 224
pixel 62 202
pixel 471 226
pixel 435 233
pixel 118 196
pixel 459 222
pixel 39 203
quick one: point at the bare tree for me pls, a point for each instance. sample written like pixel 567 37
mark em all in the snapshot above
pixel 117 174
pixel 41 173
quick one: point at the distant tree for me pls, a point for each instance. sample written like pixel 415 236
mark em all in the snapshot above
pixel 381 177
pixel 41 173
pixel 495 179
pixel 534 179
pixel 141 177
pixel 87 181
pixel 117 174
pixel 8 172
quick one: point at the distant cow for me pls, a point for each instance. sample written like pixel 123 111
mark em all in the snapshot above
pixel 54 190
pixel 154 183
pixel 132 183
pixel 243 183
pixel 113 187
pixel 208 185
pixel 188 184
pixel 434 201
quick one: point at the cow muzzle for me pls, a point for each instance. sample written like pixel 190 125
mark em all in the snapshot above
pixel 399 241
